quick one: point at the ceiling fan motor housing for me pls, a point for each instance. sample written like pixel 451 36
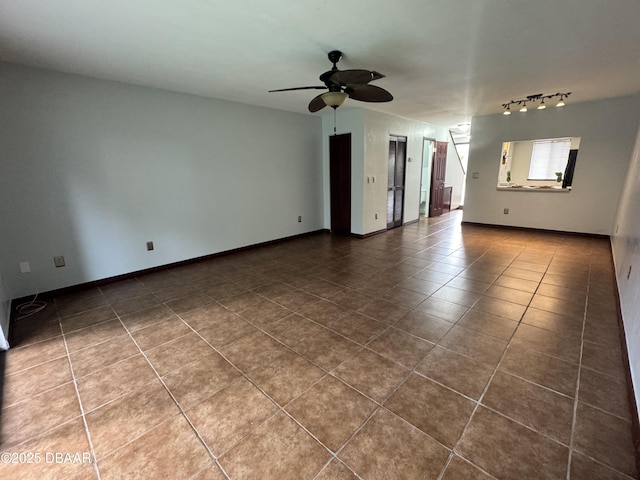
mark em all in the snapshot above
pixel 334 56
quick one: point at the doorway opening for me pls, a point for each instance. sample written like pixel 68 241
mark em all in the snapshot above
pixel 428 150
pixel 340 183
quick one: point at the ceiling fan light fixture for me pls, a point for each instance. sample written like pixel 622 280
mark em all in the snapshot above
pixel 334 99
pixel 343 84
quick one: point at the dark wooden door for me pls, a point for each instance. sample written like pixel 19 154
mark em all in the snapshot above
pixel 340 182
pixel 436 199
pixel 395 181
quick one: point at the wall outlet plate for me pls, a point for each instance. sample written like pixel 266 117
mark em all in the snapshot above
pixel 59 261
pixel 149 246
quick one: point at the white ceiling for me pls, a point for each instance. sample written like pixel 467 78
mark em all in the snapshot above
pixel 444 60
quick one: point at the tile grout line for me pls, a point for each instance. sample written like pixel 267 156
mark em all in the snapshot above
pixel 486 388
pixel 75 386
pixel 574 416
pixel 175 401
pixel 379 405
pixel 279 408
pixel 414 371
pixel 478 402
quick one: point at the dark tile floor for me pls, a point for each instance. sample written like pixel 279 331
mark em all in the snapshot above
pixel 432 351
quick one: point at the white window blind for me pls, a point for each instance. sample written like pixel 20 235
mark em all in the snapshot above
pixel 549 157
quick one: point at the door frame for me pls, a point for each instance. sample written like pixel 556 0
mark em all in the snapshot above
pixel 433 142
pixel 436 195
pixel 340 172
pixel 397 223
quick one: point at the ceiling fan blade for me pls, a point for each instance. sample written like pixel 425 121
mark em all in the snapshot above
pixel 316 87
pixel 355 77
pixel 369 93
pixel 316 104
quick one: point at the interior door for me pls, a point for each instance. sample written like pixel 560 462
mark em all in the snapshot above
pixel 395 181
pixel 438 173
pixel 340 183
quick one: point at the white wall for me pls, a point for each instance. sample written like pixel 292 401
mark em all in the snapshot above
pixel 92 170
pixel 607 129
pixel 626 252
pixel 378 128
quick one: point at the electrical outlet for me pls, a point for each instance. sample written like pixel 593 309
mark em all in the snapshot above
pixel 376 216
pixel 25 267
pixel 149 246
pixel 59 261
pixel 506 211
pixel 299 218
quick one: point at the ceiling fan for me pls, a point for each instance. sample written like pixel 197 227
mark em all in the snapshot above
pixel 342 84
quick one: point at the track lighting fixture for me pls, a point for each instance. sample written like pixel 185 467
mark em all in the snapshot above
pixel 538 97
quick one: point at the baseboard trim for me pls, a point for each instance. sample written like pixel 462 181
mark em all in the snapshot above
pixel 537 230
pixel 633 405
pixel 126 276
pixel 367 235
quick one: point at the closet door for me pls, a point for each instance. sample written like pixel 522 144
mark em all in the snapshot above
pixel 395 181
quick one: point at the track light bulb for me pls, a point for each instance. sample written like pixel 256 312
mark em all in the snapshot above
pixel 524 107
